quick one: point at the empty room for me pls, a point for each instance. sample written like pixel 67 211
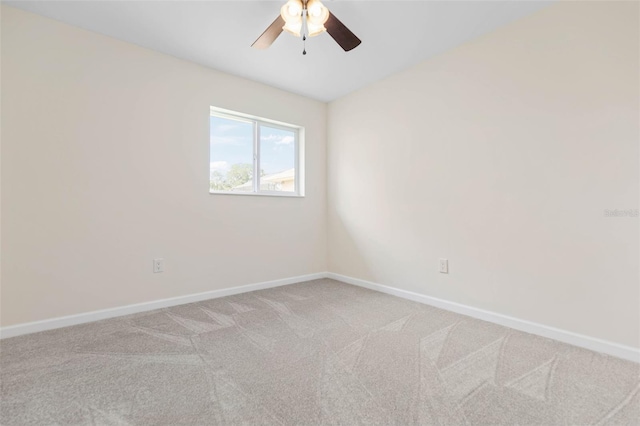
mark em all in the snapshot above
pixel 305 212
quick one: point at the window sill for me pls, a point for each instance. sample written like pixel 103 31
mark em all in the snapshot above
pixel 257 194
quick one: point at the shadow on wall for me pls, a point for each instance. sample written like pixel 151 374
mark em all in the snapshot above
pixel 370 258
pixel 349 251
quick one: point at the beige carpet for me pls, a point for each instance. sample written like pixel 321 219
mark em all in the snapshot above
pixel 320 352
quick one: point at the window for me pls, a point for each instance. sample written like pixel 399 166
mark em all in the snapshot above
pixel 250 155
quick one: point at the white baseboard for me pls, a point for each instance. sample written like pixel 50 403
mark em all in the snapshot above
pixel 575 339
pixel 591 343
pixel 66 321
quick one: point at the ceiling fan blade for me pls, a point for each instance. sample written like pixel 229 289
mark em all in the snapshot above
pixel 341 34
pixel 270 34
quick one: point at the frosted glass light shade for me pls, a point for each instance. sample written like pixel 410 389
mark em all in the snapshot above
pixel 292 9
pixel 291 12
pixel 293 28
pixel 315 29
pixel 317 15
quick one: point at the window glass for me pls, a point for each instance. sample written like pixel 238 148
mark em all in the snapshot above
pixel 231 155
pixel 277 159
pixel 250 155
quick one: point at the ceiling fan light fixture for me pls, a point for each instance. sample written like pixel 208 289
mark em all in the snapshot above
pixel 308 17
pixel 317 12
pixel 314 29
pixel 292 9
pixel 291 12
pixel 317 15
pixel 293 28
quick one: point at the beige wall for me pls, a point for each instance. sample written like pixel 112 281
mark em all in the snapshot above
pixel 105 165
pixel 501 156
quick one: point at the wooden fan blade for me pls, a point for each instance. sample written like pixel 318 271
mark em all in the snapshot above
pixel 341 34
pixel 269 35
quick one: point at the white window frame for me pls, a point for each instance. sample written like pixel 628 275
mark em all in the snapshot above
pixel 298 132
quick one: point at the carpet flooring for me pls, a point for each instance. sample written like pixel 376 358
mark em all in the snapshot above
pixel 319 352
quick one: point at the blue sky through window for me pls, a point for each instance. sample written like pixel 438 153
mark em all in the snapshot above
pixel 277 150
pixel 231 142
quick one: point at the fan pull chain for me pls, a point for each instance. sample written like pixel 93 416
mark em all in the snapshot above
pixel 304 44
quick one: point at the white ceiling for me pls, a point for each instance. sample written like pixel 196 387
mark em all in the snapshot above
pixel 218 34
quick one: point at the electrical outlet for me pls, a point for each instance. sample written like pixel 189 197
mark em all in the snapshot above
pixel 444 266
pixel 158 265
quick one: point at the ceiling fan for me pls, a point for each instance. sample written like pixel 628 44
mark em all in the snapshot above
pixel 307 18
